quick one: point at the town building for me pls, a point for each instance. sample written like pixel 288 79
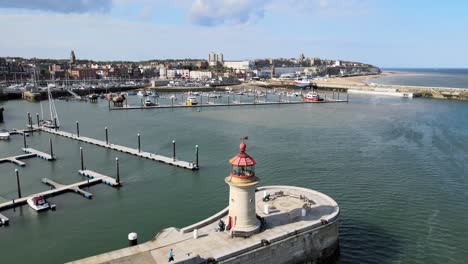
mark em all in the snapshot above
pixel 215 59
pixel 72 57
pixel 201 75
pixel 238 64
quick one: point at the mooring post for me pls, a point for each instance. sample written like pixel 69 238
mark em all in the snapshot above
pixel 77 129
pixel 24 140
pixel 139 143
pixel 201 99
pixel 279 98
pixel 55 123
pixel 347 97
pixel 338 95
pixel 18 183
pixel 107 136
pixel 228 99
pixel 108 101
pixel 196 155
pixel 173 150
pixel 38 120
pixel 51 149
pixel 118 171
pixel 30 121
pixel 81 157
pixel 172 102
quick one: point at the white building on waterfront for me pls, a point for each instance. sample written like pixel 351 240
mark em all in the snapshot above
pixel 201 75
pixel 239 64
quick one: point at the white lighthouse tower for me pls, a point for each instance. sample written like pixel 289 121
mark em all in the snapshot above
pixel 242 218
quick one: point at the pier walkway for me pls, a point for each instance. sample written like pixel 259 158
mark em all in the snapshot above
pixel 31 153
pixel 131 151
pixel 232 103
pixel 62 188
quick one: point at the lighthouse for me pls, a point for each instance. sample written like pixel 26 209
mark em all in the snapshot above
pixel 242 181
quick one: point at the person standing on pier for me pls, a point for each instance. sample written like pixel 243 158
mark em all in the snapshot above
pixel 171 255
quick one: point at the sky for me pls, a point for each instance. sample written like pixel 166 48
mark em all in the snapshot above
pixel 385 33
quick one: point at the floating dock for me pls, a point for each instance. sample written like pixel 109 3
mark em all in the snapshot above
pixel 232 103
pixel 31 153
pixel 131 151
pixel 62 188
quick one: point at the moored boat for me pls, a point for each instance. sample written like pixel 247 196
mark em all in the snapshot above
pixel 191 100
pixel 303 83
pixel 38 203
pixel 148 102
pixel 4 134
pixel 312 97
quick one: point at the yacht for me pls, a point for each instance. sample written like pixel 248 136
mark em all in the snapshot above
pixel 53 120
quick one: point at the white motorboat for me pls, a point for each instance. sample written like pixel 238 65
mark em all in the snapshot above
pixel 142 93
pixel 173 97
pixel 38 203
pixel 191 100
pixel 4 134
pixel 149 102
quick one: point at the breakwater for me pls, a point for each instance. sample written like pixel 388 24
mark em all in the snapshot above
pixel 423 91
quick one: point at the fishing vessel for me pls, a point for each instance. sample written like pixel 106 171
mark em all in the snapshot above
pixel 312 97
pixel 38 203
pixel 4 134
pixel 303 83
pixel 191 100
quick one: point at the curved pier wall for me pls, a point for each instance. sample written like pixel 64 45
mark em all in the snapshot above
pixel 320 245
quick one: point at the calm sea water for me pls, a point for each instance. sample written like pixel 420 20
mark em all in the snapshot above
pixel 455 78
pixel 396 167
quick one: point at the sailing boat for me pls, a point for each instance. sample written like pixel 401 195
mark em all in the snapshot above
pixel 53 121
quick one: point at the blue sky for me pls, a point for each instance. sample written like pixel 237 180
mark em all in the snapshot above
pixel 384 33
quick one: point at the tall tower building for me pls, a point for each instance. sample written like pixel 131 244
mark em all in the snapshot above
pixel 72 57
pixel 242 218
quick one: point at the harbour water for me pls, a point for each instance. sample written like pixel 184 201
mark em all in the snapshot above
pixel 396 167
pixel 454 78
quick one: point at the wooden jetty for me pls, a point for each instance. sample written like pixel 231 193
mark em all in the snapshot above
pixel 232 103
pixel 61 188
pixel 131 151
pixel 31 153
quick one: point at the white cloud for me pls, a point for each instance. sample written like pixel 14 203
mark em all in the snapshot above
pixel 218 12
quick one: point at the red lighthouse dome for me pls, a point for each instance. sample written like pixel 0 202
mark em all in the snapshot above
pixel 242 165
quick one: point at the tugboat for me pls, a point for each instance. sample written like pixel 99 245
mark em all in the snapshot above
pixel 313 97
pixel 39 203
pixel 191 100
